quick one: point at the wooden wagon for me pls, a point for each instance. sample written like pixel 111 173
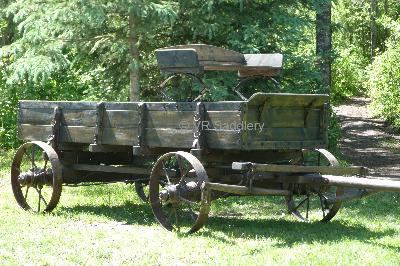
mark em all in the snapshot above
pixel 183 155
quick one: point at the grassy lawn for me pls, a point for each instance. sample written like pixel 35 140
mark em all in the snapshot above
pixel 109 225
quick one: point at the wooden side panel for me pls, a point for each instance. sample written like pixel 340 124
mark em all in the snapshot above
pixel 178 138
pixel 119 122
pixel 44 116
pixel 120 119
pixel 288 121
pixel 170 119
pixel 285 116
pixel 284 134
pixel 223 139
pixel 120 136
pixel 75 134
pixel 288 99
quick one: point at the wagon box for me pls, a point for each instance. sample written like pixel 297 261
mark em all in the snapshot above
pixel 265 121
pixel 183 155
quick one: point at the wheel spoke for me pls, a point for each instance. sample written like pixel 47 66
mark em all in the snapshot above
pixel 26 192
pixel 179 160
pixel 41 196
pixel 33 158
pixel 166 172
pixel 322 205
pixel 299 205
pixel 45 165
pixel 30 158
pixel 174 207
pixel 39 199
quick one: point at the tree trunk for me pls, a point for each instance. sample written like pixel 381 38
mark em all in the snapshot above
pixel 324 41
pixel 374 31
pixel 134 66
pixel 6 37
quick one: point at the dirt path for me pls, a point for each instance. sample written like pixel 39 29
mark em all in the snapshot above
pixel 367 141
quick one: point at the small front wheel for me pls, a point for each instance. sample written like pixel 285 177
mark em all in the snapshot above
pixel 310 203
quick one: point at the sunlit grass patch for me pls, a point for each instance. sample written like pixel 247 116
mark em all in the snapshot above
pixel 109 224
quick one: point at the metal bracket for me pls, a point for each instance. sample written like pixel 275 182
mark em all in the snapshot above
pixel 54 138
pixel 199 144
pixel 142 148
pixel 100 110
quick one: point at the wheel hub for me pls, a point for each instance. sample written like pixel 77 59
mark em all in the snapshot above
pixel 35 178
pixel 175 193
pixel 170 194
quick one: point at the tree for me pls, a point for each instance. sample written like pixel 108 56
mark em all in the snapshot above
pixel 55 35
pixel 374 30
pixel 324 41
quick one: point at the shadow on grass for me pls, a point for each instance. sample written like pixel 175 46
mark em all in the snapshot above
pixel 285 232
pixel 289 233
pixel 127 213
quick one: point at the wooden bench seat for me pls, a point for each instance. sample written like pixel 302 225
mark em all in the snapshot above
pixel 196 58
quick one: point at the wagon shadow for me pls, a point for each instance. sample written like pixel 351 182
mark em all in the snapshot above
pixel 289 233
pixel 127 213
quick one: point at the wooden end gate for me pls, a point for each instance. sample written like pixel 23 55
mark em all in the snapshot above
pixel 183 155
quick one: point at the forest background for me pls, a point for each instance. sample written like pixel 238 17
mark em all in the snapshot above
pixel 104 50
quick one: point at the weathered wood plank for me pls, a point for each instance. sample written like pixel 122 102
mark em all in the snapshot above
pixel 176 138
pixel 328 170
pixel 224 106
pixel 284 116
pixel 80 134
pixel 34 132
pixel 223 139
pixel 178 60
pixel 28 104
pixel 133 106
pixel 111 169
pixel 305 144
pixel 284 134
pixel 170 119
pixel 120 136
pixel 288 99
pixel 212 53
pixel 74 134
pixel 171 106
pixel 44 116
pixel 269 65
pixel 185 120
pixel 121 119
pixel 263 61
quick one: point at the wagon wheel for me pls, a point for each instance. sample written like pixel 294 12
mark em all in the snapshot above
pixel 311 204
pixel 142 190
pixel 36 177
pixel 176 196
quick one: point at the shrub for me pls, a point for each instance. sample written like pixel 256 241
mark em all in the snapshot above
pixel 384 82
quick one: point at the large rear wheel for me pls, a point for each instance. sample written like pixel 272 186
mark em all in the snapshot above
pixel 36 177
pixel 175 190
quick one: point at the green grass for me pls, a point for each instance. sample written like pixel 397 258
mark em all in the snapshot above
pixel 105 225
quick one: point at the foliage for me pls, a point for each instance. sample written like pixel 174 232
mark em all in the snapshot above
pixel 80 50
pixel 384 80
